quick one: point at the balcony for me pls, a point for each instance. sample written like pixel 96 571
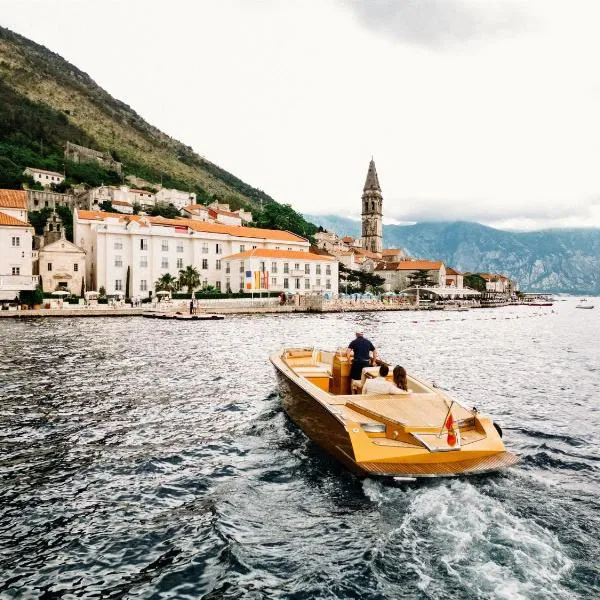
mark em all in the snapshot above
pixel 16 283
pixel 297 273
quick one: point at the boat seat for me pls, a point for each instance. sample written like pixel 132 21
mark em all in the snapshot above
pixel 312 369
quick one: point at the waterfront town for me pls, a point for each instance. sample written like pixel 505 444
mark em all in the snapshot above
pixel 120 255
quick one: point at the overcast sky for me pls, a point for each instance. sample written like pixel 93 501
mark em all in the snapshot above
pixel 479 110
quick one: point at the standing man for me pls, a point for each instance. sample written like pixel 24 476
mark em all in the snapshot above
pixel 361 358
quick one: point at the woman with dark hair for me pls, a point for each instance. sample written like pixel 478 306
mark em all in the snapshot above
pixel 399 375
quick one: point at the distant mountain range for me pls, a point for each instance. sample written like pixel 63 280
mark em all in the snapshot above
pixel 552 260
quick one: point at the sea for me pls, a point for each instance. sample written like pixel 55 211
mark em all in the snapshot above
pixel 151 459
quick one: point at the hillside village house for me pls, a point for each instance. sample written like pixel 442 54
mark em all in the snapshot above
pixel 217 213
pixel 496 283
pixel 16 236
pixel 153 246
pixel 177 198
pixel 282 270
pixel 396 274
pixel 43 177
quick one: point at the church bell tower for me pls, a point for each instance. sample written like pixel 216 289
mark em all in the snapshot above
pixel 372 212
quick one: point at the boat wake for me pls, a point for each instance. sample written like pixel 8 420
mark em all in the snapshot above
pixel 450 535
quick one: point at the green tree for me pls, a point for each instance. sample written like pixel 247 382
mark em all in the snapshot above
pixel 102 292
pixel 422 278
pixel 284 217
pixel 168 211
pixel 189 278
pixel 166 283
pixel 127 283
pixel 474 281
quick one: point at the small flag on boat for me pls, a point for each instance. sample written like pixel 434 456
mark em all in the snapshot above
pixel 451 439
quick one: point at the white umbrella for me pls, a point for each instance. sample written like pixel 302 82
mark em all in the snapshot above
pixel 61 293
pixel 162 293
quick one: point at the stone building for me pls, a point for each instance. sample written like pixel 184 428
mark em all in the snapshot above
pixel 61 264
pixel 43 177
pixel 81 154
pixel 372 212
pixel 397 274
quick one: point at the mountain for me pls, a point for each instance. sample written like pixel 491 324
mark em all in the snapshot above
pixel 45 101
pixel 552 260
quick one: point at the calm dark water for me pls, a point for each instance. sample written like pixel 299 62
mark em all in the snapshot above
pixel 150 459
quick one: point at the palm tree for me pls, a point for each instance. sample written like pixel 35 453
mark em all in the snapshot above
pixel 190 278
pixel 166 282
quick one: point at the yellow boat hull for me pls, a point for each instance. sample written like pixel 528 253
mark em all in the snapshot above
pixel 385 436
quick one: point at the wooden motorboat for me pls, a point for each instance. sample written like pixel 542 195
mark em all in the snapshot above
pixel 583 303
pixel 178 316
pixel 392 436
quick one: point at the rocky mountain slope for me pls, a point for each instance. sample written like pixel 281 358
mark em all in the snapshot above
pixel 555 260
pixel 45 101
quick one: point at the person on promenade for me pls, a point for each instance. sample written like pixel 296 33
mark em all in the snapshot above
pixel 191 307
pixel 399 376
pixel 380 385
pixel 360 349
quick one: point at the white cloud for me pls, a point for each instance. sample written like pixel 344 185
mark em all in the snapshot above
pixel 487 111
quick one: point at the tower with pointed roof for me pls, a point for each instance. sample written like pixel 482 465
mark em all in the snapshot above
pixel 372 212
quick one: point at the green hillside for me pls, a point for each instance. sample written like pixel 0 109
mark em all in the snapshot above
pixel 45 102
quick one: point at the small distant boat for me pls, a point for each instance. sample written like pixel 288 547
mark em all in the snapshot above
pixel 583 303
pixel 178 316
pixel 401 437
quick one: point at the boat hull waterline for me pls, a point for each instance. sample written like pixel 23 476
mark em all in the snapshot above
pixel 365 434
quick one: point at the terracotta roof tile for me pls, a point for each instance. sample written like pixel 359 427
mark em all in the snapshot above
pixel 13 199
pixel 410 265
pixel 8 221
pixel 270 253
pixel 200 226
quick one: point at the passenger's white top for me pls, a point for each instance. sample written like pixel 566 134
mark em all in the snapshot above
pixel 379 385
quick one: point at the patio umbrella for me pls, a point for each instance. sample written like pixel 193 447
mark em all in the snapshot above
pixel 61 293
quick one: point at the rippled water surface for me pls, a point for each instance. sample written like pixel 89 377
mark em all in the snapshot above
pixel 151 459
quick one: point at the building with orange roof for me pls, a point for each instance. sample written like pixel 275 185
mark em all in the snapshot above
pixel 397 274
pixel 16 245
pixel 153 246
pixel 177 198
pixel 296 271
pixel 454 278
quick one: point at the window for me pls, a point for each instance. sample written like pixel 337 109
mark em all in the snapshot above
pixel 242 247
pixel 289 248
pixel 307 284
pixel 164 263
pixel 143 244
pixel 180 246
pixel 180 263
pixel 204 247
pixel 118 245
pixel 274 267
pixel 218 248
pixel 254 247
pixel 241 285
pixel 118 285
pixel 273 281
pixel 143 285
pixel 328 284
pixel 75 267
pixel 164 245
pixel 143 261
pixel 49 266
pixel 16 242
pixel 286 283
pixel 277 247
pixel 261 266
pixel 286 268
pixel 16 270
pixel 218 285
pixel 118 261
pixel 205 263
pixel 297 283
pixel 242 267
pixel 218 265
pixel 296 266
pixel 318 283
pixel 328 270
pixel 307 269
pixel 228 268
pixel 318 269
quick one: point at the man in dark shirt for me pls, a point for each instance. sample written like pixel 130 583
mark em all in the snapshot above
pixel 361 347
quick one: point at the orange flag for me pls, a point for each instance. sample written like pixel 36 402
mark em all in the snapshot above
pixel 451 439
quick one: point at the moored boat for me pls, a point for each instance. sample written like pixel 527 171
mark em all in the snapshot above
pixel 583 303
pixel 420 434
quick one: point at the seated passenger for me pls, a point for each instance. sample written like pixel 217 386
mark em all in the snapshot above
pixel 399 375
pixel 380 385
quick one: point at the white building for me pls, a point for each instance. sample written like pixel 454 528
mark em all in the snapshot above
pixel 177 198
pixel 267 269
pixel 43 177
pixel 397 275
pixel 153 246
pixel 16 243
pixel 93 198
pixel 198 212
